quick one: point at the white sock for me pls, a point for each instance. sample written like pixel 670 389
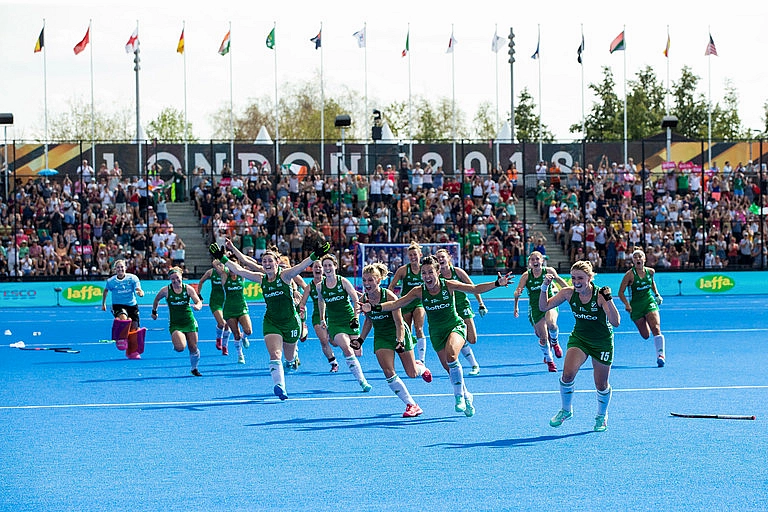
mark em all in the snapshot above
pixel 225 338
pixel 421 348
pixel 566 395
pixel 354 367
pixel 219 331
pixel 456 374
pixel 547 351
pixel 466 351
pixel 276 370
pixel 398 387
pixel 603 399
pixel 420 368
pixel 553 333
pixel 659 342
pixel 238 347
pixel 194 358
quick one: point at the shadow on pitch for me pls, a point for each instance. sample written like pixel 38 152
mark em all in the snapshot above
pixel 509 443
pixel 378 421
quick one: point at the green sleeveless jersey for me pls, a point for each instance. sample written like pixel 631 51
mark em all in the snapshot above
pixel 591 321
pixel 410 281
pixel 179 310
pixel 338 310
pixel 533 286
pixel 459 298
pixel 642 301
pixel 441 314
pixel 315 308
pixel 383 321
pixel 278 297
pixel 216 298
pixel 235 305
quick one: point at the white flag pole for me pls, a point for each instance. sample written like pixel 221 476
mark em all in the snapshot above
pixel 93 111
pixel 277 105
pixel 322 107
pixel 45 94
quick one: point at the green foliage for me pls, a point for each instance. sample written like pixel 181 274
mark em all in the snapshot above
pixel 645 105
pixel 168 126
pixel 74 123
pixel 605 120
pixel 527 121
pixel 691 110
pixel 484 125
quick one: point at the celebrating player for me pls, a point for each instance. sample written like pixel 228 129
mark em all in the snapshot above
pixel 643 308
pixel 181 320
pixel 413 313
pixel 216 305
pixel 544 323
pixel 322 333
pixel 390 335
pixel 463 307
pixel 281 325
pixel 592 336
pixel 447 330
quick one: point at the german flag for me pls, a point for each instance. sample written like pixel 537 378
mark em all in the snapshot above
pixel 40 41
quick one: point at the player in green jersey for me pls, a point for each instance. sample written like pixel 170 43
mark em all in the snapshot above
pixel 390 336
pixel 544 324
pixel 338 306
pixel 643 308
pixel 310 292
pixel 281 325
pixel 446 329
pixel 182 323
pixel 592 336
pixel 463 307
pixel 216 305
pixel 413 313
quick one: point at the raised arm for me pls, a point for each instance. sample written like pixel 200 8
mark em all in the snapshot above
pixel 501 280
pixel 519 291
pixel 246 260
pixel 204 278
pixel 546 303
pixel 413 294
pixel 611 313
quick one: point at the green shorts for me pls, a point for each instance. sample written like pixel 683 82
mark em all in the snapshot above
pixel 235 311
pixel 640 312
pixel 290 331
pixel 602 351
pixel 183 327
pixel 535 316
pixel 216 304
pixel 342 328
pixel 439 337
pixel 384 342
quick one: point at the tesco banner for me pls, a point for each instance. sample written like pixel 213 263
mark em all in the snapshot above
pixel 90 293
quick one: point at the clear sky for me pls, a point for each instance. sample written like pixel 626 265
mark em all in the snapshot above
pixel 735 27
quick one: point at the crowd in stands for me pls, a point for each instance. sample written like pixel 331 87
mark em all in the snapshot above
pixel 59 228
pixel 682 219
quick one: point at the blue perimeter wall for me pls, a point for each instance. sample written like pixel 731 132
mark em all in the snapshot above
pixel 85 293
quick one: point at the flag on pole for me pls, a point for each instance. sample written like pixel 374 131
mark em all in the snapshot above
pixel 580 50
pixel 496 44
pixel 180 46
pixel 666 50
pixel 618 44
pixel 133 42
pixel 451 44
pixel 711 50
pixel 271 39
pixel 224 47
pixel 536 53
pixel 360 36
pixel 407 43
pixel 40 41
pixel 318 39
pixel 79 47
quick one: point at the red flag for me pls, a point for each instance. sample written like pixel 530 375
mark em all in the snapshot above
pixel 79 47
pixel 133 42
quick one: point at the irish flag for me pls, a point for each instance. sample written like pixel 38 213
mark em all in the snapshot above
pixel 618 44
pixel 224 48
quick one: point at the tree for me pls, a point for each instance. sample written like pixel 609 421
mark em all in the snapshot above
pixel 75 123
pixel 527 122
pixel 691 112
pixel 396 116
pixel 168 126
pixel 726 123
pixel 605 121
pixel 645 105
pixel 485 126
